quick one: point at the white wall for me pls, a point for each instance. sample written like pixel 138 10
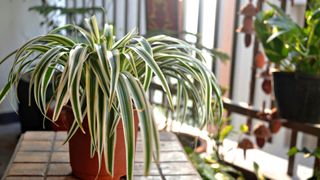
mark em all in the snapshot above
pixel 17 25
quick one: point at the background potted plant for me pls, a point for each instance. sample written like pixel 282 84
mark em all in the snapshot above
pixel 103 83
pixel 295 52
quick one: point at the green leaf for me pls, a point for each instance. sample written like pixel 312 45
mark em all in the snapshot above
pixel 293 151
pixel 225 132
pixel 255 166
pixel 92 24
pixel 72 130
pixel 149 134
pixel 244 128
pixel 62 95
pixel 108 34
pixel 155 68
pixel 128 57
pixel 8 56
pixel 317 152
pixel 278 10
pixel 147 78
pixel 91 89
pixel 110 141
pixel 128 124
pixel 26 45
pixel 124 40
pixel 101 110
pixel 114 62
pixel 76 60
pixel 101 75
pixel 5 91
pixel 305 150
pixel 221 55
pixel 144 44
pixel 156 142
pixel 48 74
pixel 63 40
pixel 82 31
pixel 275 35
pixel 179 94
pixel 38 76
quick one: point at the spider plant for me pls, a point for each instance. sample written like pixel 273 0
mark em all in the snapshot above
pixel 105 80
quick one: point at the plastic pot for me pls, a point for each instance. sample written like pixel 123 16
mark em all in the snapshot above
pixel 85 167
pixel 297 97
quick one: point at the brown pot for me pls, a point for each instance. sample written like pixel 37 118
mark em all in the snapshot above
pixel 63 120
pixel 84 167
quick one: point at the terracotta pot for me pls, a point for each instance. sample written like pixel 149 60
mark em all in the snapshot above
pixel 62 123
pixel 83 166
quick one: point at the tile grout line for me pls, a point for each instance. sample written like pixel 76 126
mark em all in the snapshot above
pixel 50 155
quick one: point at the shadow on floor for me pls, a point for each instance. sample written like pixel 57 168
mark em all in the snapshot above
pixel 9 135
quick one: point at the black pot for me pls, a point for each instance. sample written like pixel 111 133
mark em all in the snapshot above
pixel 297 97
pixel 30 117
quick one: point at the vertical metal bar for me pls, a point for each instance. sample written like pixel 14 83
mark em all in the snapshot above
pixel 146 14
pixel 216 32
pixel 67 15
pixel 283 5
pixel 115 16
pixel 104 12
pixel 183 21
pixel 126 16
pixel 253 73
pixel 293 142
pixel 180 15
pixel 139 15
pixel 93 5
pixel 253 79
pixel 216 24
pixel 83 5
pixel 234 49
pixel 316 167
pixel 75 15
pixel 200 22
pixel 177 20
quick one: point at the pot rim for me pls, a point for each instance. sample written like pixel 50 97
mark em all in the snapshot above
pixel 296 75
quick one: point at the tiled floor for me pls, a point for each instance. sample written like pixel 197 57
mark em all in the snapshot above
pixel 9 134
pixel 33 160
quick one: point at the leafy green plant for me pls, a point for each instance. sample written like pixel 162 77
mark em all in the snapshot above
pixel 213 166
pixel 256 169
pixel 225 129
pixel 307 154
pixel 104 79
pixel 210 167
pixel 50 12
pixel 291 47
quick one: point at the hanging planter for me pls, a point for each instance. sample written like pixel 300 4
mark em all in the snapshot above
pixel 295 52
pixel 297 96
